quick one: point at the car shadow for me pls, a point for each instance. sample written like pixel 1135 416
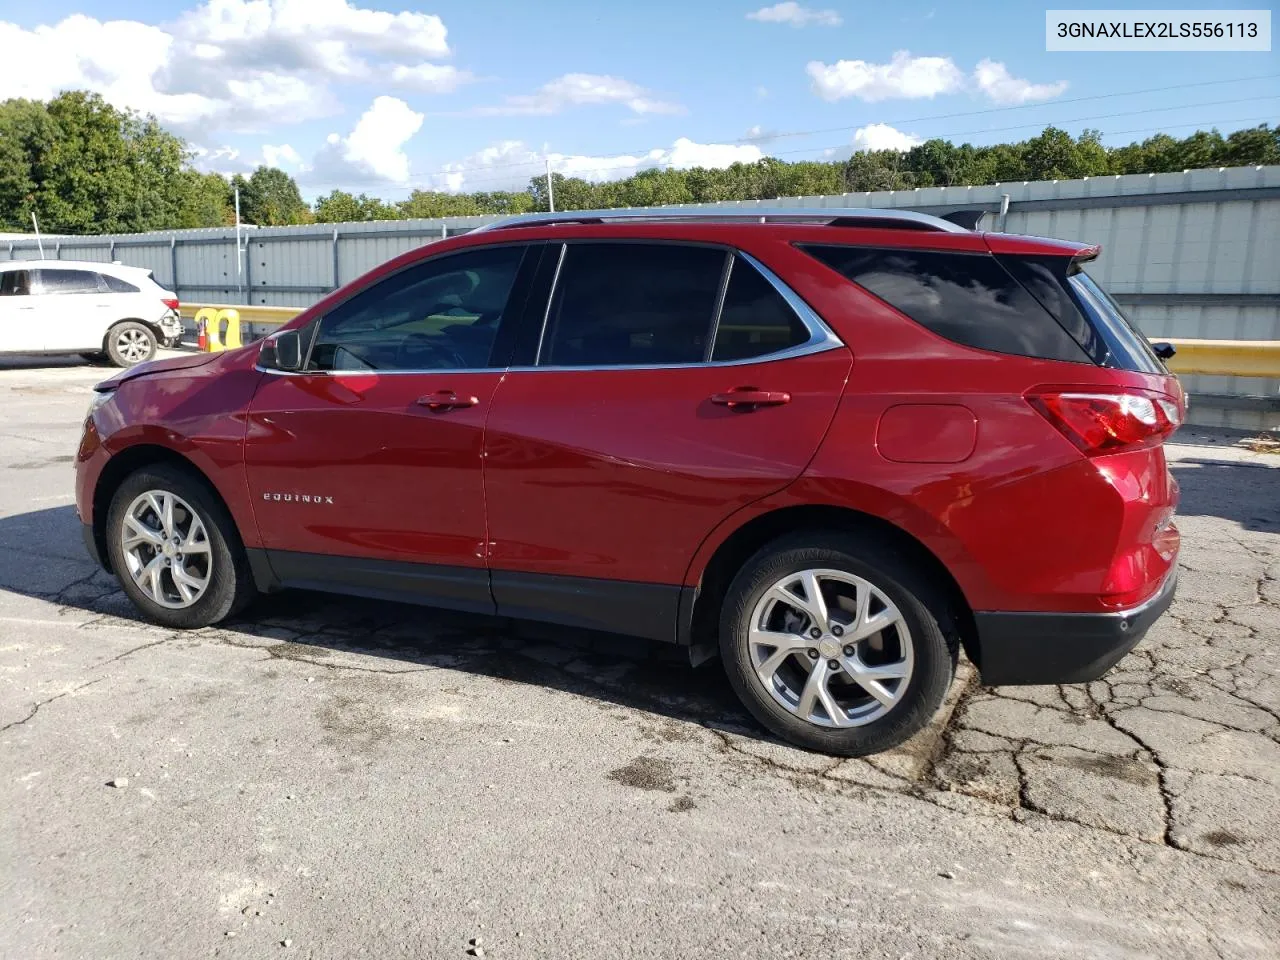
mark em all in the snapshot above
pixel 330 631
pixel 1244 493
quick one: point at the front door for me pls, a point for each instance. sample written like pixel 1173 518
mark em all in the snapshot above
pixel 674 385
pixel 365 468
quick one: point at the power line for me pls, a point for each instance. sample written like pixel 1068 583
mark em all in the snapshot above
pixel 942 116
pixel 663 164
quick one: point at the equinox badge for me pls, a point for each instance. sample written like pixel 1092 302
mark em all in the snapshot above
pixel 297 498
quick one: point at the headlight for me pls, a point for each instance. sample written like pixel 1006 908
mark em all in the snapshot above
pixel 99 398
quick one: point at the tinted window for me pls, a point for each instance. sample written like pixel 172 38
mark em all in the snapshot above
pixel 632 303
pixel 68 281
pixel 755 319
pixel 13 283
pixel 968 298
pixel 116 285
pixel 440 315
pixel 1127 348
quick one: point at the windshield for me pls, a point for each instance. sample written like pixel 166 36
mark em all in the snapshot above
pixel 1127 347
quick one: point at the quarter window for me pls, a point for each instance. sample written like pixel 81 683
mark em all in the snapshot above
pixel 632 304
pixel 68 281
pixel 440 315
pixel 755 320
pixel 116 285
pixel 968 298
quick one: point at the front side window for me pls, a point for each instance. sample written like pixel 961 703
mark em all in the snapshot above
pixel 14 283
pixel 68 281
pixel 632 304
pixel 440 315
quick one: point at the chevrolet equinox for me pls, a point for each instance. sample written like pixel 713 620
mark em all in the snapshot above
pixel 833 446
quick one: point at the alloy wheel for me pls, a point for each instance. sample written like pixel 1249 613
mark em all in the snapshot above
pixel 133 345
pixel 831 648
pixel 166 549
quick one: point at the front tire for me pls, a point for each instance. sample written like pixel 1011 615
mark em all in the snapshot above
pixel 834 643
pixel 175 549
pixel 129 343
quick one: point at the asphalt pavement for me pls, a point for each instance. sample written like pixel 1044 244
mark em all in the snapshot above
pixel 330 777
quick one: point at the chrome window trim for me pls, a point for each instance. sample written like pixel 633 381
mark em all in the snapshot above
pixel 551 298
pixel 821 339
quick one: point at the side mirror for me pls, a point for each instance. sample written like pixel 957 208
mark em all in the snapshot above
pixel 283 352
pixel 1164 350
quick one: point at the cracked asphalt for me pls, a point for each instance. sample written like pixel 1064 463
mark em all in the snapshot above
pixel 329 777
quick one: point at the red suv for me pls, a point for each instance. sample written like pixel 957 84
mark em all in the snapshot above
pixel 833 446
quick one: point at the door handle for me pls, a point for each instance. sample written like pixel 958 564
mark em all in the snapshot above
pixel 748 398
pixel 446 400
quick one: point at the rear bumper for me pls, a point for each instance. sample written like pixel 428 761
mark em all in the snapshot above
pixel 1030 648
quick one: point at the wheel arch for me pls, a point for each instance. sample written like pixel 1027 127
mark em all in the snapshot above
pixel 700 604
pixel 127 462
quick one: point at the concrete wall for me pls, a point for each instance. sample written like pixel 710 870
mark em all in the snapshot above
pixel 1193 254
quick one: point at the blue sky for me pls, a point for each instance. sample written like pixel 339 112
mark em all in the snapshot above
pixel 384 97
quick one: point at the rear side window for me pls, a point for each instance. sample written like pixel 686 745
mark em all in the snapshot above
pixel 755 319
pixel 627 304
pixel 116 285
pixel 967 298
pixel 13 283
pixel 68 281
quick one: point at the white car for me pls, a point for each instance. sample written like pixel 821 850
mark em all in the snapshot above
pixel 94 309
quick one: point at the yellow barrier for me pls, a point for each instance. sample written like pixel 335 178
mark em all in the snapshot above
pixel 1239 358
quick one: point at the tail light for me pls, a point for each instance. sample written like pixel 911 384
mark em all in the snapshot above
pixel 171 303
pixel 1100 423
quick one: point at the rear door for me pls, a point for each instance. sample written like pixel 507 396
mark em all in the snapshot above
pixel 19 331
pixel 671 384
pixel 73 307
pixel 365 468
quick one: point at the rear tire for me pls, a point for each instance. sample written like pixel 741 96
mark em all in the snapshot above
pixel 167 518
pixel 130 343
pixel 857 673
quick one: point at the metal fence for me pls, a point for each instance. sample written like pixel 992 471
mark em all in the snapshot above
pixel 1192 255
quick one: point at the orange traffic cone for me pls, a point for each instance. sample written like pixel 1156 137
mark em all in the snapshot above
pixel 202 337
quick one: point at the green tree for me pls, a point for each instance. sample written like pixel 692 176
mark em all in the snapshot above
pixel 269 197
pixel 342 207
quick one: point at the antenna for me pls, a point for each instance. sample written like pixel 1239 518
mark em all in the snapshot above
pixel 40 243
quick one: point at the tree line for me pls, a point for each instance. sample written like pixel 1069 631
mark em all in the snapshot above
pixel 86 167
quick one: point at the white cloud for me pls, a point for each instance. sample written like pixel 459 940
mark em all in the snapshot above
pixel 796 15
pixel 283 156
pixel 509 164
pixel 431 77
pixel 759 134
pixel 374 150
pixel 881 136
pixel 903 77
pixel 994 80
pixel 582 89
pixel 229 65
pixel 906 77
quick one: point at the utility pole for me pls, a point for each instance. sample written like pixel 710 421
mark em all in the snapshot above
pixel 551 192
pixel 239 281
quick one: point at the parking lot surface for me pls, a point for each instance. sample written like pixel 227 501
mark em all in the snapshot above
pixel 329 777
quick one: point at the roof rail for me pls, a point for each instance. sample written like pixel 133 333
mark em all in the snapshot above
pixel 829 216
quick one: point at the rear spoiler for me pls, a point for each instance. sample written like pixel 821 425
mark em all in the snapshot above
pixel 969 219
